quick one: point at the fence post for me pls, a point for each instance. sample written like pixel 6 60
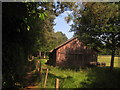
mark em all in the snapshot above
pixel 57 83
pixel 40 71
pixel 46 78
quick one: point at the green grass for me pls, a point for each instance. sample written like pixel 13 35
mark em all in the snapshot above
pixel 99 77
pixel 68 78
pixel 107 58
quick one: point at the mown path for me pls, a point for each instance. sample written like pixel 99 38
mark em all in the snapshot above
pixel 31 87
pixel 30 80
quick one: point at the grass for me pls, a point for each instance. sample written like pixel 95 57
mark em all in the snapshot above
pixel 107 58
pixel 98 77
pixel 68 78
pixel 102 77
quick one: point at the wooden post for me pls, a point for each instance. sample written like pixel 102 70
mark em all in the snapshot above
pixel 57 83
pixel 46 78
pixel 40 71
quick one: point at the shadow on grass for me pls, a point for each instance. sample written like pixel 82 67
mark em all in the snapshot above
pixel 102 77
pixel 51 80
pixel 54 76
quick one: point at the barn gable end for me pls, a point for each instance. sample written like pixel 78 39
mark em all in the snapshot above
pixel 72 53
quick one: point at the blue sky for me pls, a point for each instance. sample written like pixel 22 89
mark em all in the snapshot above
pixel 61 25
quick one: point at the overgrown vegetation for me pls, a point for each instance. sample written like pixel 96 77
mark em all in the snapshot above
pixel 98 77
pixel 27 28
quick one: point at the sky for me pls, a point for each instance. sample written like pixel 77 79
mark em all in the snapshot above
pixel 61 25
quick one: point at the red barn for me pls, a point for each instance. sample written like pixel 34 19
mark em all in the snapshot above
pixel 72 53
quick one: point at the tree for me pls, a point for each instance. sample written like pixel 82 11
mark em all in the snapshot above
pixel 97 25
pixel 61 38
pixel 18 39
pixel 27 27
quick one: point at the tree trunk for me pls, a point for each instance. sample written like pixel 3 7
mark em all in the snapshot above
pixel 44 55
pixel 39 54
pixel 112 59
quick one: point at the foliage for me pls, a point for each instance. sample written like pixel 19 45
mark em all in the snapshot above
pixel 107 52
pixel 97 25
pixel 27 28
pixel 57 39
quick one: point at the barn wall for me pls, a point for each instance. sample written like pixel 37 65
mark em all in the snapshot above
pixel 74 53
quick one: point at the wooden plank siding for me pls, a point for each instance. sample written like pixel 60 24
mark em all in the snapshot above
pixel 72 53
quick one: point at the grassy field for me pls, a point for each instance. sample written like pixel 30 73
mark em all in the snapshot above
pixel 107 58
pixel 98 77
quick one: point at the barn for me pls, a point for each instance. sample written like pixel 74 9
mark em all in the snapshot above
pixel 72 53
